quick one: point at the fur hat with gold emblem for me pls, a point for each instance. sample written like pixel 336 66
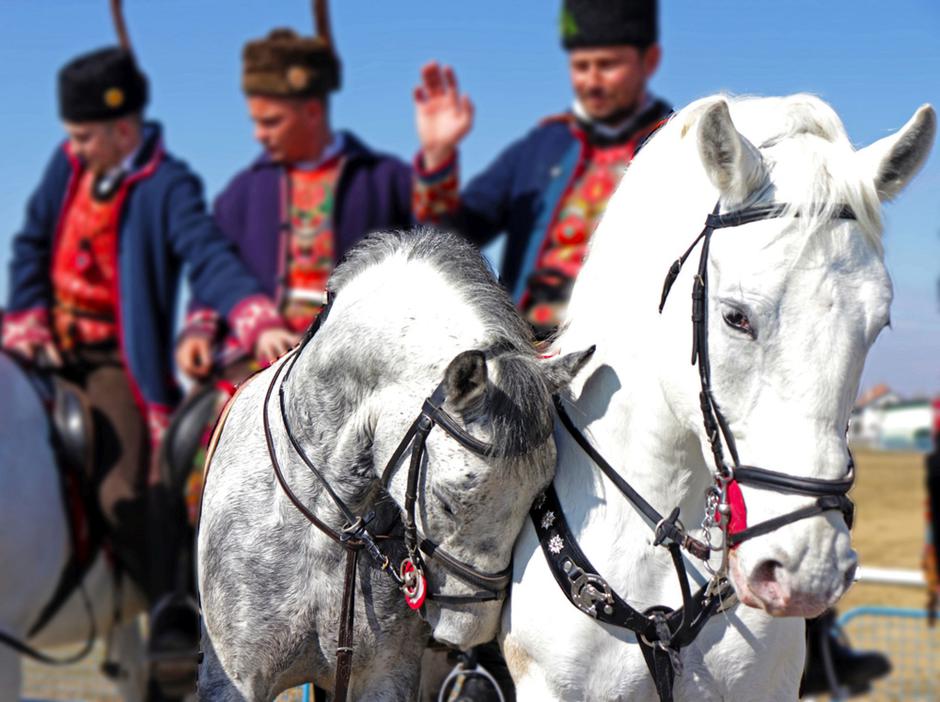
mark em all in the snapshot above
pixel 103 84
pixel 285 64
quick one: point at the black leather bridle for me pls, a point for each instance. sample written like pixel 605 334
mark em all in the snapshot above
pixel 356 536
pixel 663 631
pixel 830 494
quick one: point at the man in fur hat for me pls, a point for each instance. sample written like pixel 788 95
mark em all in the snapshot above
pixel 94 281
pixel 311 195
pixel 547 190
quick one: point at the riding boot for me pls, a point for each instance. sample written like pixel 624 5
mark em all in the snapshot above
pixel 173 644
pixel 832 666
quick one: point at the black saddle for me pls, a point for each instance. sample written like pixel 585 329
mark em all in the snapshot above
pixel 71 433
pixel 72 428
pixel 183 438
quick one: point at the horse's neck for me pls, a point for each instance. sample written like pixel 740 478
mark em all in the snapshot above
pixel 621 398
pixel 629 423
pixel 326 419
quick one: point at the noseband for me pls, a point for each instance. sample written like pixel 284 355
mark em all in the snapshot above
pixel 662 631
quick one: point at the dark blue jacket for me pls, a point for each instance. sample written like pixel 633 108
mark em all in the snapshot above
pixel 163 225
pixel 520 192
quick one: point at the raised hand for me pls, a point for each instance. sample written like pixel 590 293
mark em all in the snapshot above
pixel 442 114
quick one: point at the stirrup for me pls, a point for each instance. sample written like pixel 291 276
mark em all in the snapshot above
pixel 459 674
pixel 174 668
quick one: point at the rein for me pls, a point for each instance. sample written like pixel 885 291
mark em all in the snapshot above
pixel 356 536
pixel 662 631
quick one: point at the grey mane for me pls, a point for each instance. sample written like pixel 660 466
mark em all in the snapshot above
pixel 461 264
pixel 516 416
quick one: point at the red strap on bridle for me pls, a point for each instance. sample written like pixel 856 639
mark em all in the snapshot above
pixel 738 519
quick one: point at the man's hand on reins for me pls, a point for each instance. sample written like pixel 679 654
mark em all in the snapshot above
pixel 194 356
pixel 274 343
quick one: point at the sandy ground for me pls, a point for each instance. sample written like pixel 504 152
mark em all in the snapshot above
pixel 890 501
pixel 889 533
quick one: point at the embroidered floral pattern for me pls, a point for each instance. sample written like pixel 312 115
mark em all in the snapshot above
pixel 201 321
pixel 435 194
pixel 311 242
pixel 158 421
pixel 567 241
pixel 26 327
pixel 251 317
pixel 84 270
pixel 556 544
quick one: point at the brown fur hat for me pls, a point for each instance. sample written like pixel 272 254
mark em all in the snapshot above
pixel 284 64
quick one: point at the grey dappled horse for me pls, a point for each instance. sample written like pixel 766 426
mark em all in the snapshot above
pixel 409 311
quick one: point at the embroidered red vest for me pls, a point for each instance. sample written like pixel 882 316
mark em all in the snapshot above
pixel 84 270
pixel 310 247
pixel 566 243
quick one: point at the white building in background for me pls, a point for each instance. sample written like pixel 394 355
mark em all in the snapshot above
pixel 883 421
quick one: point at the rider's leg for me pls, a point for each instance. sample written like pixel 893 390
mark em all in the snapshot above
pixel 144 523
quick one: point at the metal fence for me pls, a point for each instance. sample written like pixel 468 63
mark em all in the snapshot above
pixel 909 642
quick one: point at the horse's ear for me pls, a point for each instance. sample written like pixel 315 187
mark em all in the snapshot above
pixel 732 163
pixel 561 370
pixel 894 160
pixel 465 379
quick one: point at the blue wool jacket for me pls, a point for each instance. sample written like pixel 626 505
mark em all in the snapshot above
pixel 521 190
pixel 163 225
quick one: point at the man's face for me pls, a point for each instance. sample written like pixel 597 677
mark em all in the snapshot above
pixel 611 80
pixel 286 127
pixel 97 144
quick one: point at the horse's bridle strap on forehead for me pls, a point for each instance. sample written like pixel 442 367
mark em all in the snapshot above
pixel 737 218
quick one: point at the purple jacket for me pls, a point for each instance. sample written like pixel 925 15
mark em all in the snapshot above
pixel 373 193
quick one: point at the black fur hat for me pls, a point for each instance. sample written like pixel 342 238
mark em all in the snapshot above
pixel 592 23
pixel 101 85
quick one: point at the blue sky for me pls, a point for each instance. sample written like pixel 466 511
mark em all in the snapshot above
pixel 874 61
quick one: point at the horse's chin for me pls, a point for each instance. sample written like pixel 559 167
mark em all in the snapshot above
pixel 777 602
pixel 464 628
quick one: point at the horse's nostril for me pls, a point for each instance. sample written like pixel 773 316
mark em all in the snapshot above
pixel 766 572
pixel 850 575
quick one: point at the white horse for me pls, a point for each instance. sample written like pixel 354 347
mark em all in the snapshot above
pixel 795 301
pixel 35 547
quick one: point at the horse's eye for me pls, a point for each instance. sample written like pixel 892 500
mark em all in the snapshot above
pixel 445 504
pixel 736 319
